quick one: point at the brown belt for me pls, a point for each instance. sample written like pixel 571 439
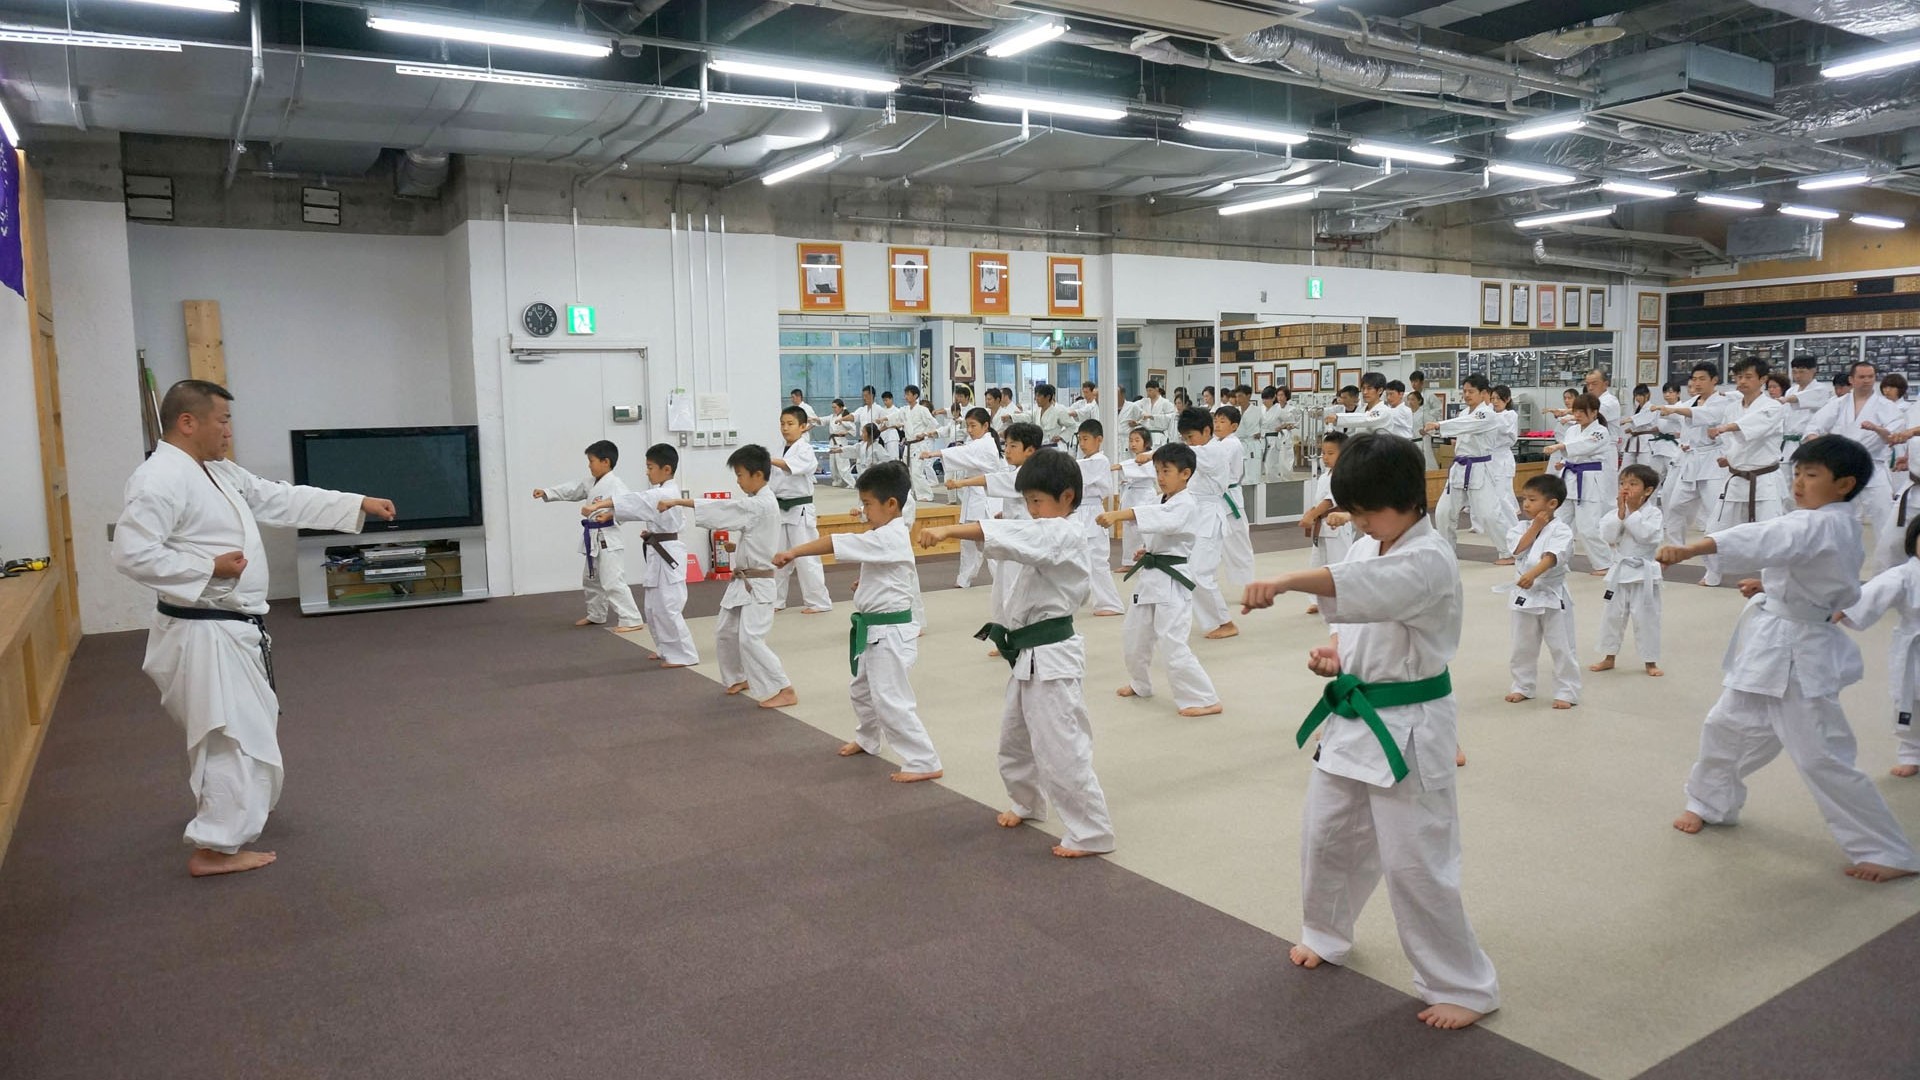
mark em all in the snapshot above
pixel 753 573
pixel 1752 477
pixel 658 542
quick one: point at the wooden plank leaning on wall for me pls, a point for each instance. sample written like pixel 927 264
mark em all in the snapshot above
pixel 39 612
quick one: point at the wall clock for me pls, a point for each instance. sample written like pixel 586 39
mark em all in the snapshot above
pixel 540 319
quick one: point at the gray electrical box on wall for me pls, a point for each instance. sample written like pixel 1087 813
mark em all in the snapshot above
pixel 626 414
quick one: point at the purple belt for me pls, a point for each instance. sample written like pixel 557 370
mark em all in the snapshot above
pixel 1580 469
pixel 587 527
pixel 1466 479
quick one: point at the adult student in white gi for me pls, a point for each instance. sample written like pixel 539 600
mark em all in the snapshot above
pixel 190 532
pixel 1867 418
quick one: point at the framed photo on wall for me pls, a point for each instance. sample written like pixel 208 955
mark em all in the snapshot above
pixel 1572 306
pixel 960 363
pixel 1066 290
pixel 1348 377
pixel 1549 307
pixel 822 275
pixel 1649 308
pixel 1520 307
pixel 1492 303
pixel 1649 341
pixel 908 288
pixel 992 282
pixel 1261 380
pixel 1596 309
pixel 1246 376
pixel 1329 377
pixel 1649 371
pixel 1301 380
pixel 1158 375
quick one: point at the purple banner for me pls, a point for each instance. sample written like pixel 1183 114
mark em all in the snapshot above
pixel 12 270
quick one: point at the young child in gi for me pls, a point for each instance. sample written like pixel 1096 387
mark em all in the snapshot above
pixel 1788 662
pixel 1633 530
pixel 1096 483
pixel 1162 607
pixel 883 642
pixel 1323 523
pixel 1384 806
pixel 1542 608
pixel 1898 589
pixel 792 485
pixel 1046 741
pixel 979 455
pixel 1212 474
pixel 663 556
pixel 1138 486
pixel 747 662
pixel 1584 447
pixel 1236 537
pixel 1023 441
pixel 605 578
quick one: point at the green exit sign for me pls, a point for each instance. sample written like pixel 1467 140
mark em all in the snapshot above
pixel 1316 288
pixel 580 319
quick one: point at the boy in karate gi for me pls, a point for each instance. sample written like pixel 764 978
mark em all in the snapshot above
pixel 1381 799
pixel 1236 536
pixel 1639 430
pixel 883 642
pixel 1213 472
pixel 1046 740
pixel 1699 478
pixel 792 486
pixel 978 456
pixel 1586 448
pixel 1749 444
pixel 1868 418
pixel 1324 524
pixel 1542 608
pixel 1634 530
pixel 1096 483
pixel 1471 484
pixel 1023 441
pixel 919 430
pixel 1788 662
pixel 747 662
pixel 1804 400
pixel 663 556
pixel 1898 589
pixel 605 578
pixel 843 436
pixel 1374 410
pixel 1162 608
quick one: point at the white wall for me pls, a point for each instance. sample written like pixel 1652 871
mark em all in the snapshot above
pixel 1154 287
pixel 23 527
pixel 321 331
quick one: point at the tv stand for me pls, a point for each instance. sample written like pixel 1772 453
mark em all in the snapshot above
pixel 342 572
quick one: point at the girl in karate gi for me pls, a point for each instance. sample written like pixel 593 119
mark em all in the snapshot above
pixel 1139 485
pixel 1788 662
pixel 1584 447
pixel 1096 483
pixel 605 578
pixel 873 449
pixel 1162 609
pixel 663 556
pixel 1046 740
pixel 841 435
pixel 1385 807
pixel 1898 589
pixel 1634 530
pixel 979 455
pixel 1640 429
pixel 1542 607
pixel 1504 465
pixel 1326 527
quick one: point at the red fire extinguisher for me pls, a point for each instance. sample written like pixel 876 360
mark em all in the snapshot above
pixel 720 545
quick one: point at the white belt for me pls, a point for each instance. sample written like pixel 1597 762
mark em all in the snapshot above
pixel 1795 612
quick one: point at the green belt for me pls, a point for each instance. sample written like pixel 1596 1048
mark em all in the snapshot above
pixel 857 633
pixel 1347 696
pixel 1791 438
pixel 788 504
pixel 1012 643
pixel 1231 505
pixel 1163 563
pixel 1666 437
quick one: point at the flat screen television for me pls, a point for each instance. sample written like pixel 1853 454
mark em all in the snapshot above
pixel 432 474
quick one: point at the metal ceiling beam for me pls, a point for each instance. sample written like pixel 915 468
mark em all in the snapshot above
pixel 256 74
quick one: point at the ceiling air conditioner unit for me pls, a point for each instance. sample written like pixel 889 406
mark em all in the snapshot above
pixel 1207 20
pixel 1687 88
pixel 1769 239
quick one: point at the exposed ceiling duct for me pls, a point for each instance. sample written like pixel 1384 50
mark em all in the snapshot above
pixel 1613 266
pixel 1319 58
pixel 420 174
pixel 1883 19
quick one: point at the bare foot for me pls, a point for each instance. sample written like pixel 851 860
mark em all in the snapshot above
pixel 736 688
pixel 1558 704
pixel 916 777
pixel 1654 670
pixel 1597 573
pixel 1066 852
pixel 995 653
pixel 1224 630
pixel 585 622
pixel 1508 561
pixel 1876 873
pixel 781 700
pixel 1459 759
pixel 1304 957
pixel 206 863
pixel 1214 709
pixel 653 656
pixel 1449 1017
pixel 1904 770
pixel 1105 614
pixel 851 749
pixel 1313 609
pixel 1689 822
pixel 815 610
pixel 629 629
pixel 663 666
pixel 1604 665
pixel 1125 691
pixel 1009 820
pixel 1516 698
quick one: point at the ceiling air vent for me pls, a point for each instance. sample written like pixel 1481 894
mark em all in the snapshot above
pixel 1766 239
pixel 1687 88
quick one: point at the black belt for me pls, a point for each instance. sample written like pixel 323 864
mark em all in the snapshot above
pixel 658 542
pixel 788 504
pixel 175 611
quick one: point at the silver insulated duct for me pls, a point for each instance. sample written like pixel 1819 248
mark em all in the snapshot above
pixel 1319 58
pixel 1883 19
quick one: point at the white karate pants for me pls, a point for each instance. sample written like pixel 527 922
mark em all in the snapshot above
pixel 1166 624
pixel 884 708
pixel 1745 731
pixel 1484 505
pixel 1696 503
pixel 1907 735
pixel 1046 754
pixel 1554 629
pixel 663 605
pixel 1209 606
pixel 1585 517
pixel 1732 508
pixel 971 558
pixel 740 637
pixel 606 587
pixel 1236 548
pixel 843 469
pixel 234 793
pixel 813 576
pixel 1877 513
pixel 922 472
pixel 1639 601
pixel 1000 587
pixel 1353 835
pixel 1105 596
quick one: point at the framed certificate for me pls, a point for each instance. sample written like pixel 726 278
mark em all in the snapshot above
pixel 1649 307
pixel 1596 309
pixel 1572 306
pixel 1301 380
pixel 1520 306
pixel 1549 307
pixel 1649 341
pixel 1492 303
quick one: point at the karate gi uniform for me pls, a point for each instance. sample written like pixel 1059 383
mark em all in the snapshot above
pixel 1897 589
pixel 1330 543
pixel 1803 404
pixel 1755 481
pixel 1236 536
pixel 844 437
pixel 1369 418
pixel 1874 504
pixel 1785 667
pixel 1633 584
pixel 1057 427
pixel 1699 478
pixel 975 457
pixel 1161 611
pixel 754 524
pixel 213 674
pixel 1159 417
pixel 1132 415
pixel 799 524
pixel 884 707
pixel 1544 613
pixel 603 575
pixel 1398 620
pixel 1013 507
pixel 1252 440
pixel 1139 486
pixel 1590 488
pixel 1505 468
pixel 1471 483
pixel 1046 739
pixel 665 598
pixel 920 431
pixel 1281 430
pixel 1640 446
pixel 1080 410
pixel 1215 460
pixel 890 420
pixel 1096 483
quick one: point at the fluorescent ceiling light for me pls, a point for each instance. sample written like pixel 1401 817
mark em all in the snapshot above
pixel 217 7
pixel 1562 216
pixel 1032 33
pixel 83 39
pixel 1249 132
pixel 1835 180
pixel 1868 63
pixel 1552 125
pixel 805 165
pixel 1731 202
pixel 1289 199
pixel 1871 220
pixel 811 76
pixel 489 32
pixel 13 133
pixel 1053 106
pixel 1531 172
pixel 1635 187
pixel 485 76
pixel 1367 148
pixel 1818 213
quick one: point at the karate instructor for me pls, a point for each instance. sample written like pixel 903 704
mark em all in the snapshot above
pixel 191 533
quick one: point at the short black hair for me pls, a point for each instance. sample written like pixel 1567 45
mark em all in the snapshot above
pixel 1896 381
pixel 1092 427
pixel 1751 363
pixel 1230 412
pixel 1045 390
pixel 1712 369
pixel 1642 473
pixel 1642 390
pixel 1477 381
pixel 1268 393
pixel 1049 472
pixel 1177 454
pixel 887 396
pixel 1243 388
pixel 887 480
pixel 1089 385
pixel 1334 436
pixel 1548 485
pixel 1348 390
pixel 604 451
pixel 795 390
pixel 1154 384
pixel 1380 472
pixel 1805 360
pixel 1194 419
pixel 1674 385
pixel 1417 376
pixel 1841 457
pixel 868 389
pixel 1856 365
pixel 1373 380
pixel 1395 386
pixel 1503 391
pixel 664 455
pixel 912 389
pixel 753 458
pixel 190 396
pixel 797 413
pixel 1027 435
pixel 962 390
